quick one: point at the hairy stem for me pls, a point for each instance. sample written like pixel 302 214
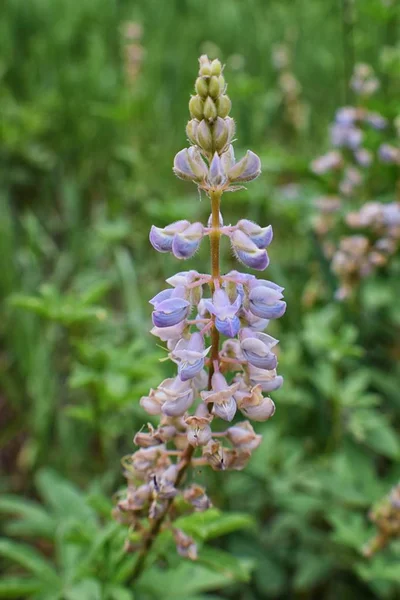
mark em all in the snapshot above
pixel 215 236
pixel 187 455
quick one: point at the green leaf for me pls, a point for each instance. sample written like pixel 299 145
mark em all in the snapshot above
pixel 230 566
pixel 64 498
pixel 213 523
pixel 88 589
pixel 311 570
pixel 33 519
pixel 28 558
pixel 184 581
pixel 116 592
pixel 19 587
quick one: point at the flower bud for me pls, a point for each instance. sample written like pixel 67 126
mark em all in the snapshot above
pixel 224 105
pixel 231 128
pixel 220 133
pixel 216 67
pixel 196 107
pixel 205 66
pixel 248 168
pixel 228 159
pixel 203 134
pixel 191 130
pixel 201 87
pixel 213 87
pixel 216 174
pixel 197 164
pixel 210 110
pixel 189 166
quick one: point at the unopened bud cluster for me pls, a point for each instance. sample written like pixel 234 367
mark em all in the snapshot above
pixel 346 169
pixel 213 326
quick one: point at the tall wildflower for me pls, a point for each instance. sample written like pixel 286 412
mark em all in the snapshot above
pixel 213 328
pixel 348 169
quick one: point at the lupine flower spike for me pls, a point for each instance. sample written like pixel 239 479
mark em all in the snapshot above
pixel 216 379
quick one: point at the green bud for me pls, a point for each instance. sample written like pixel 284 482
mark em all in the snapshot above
pixel 205 70
pixel 224 105
pixel 213 88
pixel 201 87
pixel 196 107
pixel 210 110
pixel 204 137
pixel 222 84
pixel 191 130
pixel 216 67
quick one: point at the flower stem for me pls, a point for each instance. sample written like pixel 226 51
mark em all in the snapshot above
pixel 156 526
pixel 215 235
pixel 187 454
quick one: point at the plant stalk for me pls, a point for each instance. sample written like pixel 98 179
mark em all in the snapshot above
pixel 187 455
pixel 215 236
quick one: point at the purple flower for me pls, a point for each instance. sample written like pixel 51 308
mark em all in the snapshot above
pixel 172 397
pixel 346 136
pixel 256 348
pixel 161 239
pixel 268 380
pixel 248 252
pixel 170 307
pixel 190 356
pixel 389 154
pixel 216 173
pixel 198 430
pixel 243 436
pixel 167 334
pixel 327 162
pixel 376 120
pixel 221 395
pixel 265 299
pixel 363 157
pixel 177 396
pixel 189 165
pixel 253 404
pixel 260 236
pixel 246 169
pixel 226 319
pixel 346 115
pixel 186 243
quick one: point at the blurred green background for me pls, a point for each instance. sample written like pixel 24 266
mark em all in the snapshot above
pixel 93 106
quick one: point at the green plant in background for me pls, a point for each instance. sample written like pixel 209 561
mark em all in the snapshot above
pixel 76 552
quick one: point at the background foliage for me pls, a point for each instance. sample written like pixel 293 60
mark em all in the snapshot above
pixel 90 121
